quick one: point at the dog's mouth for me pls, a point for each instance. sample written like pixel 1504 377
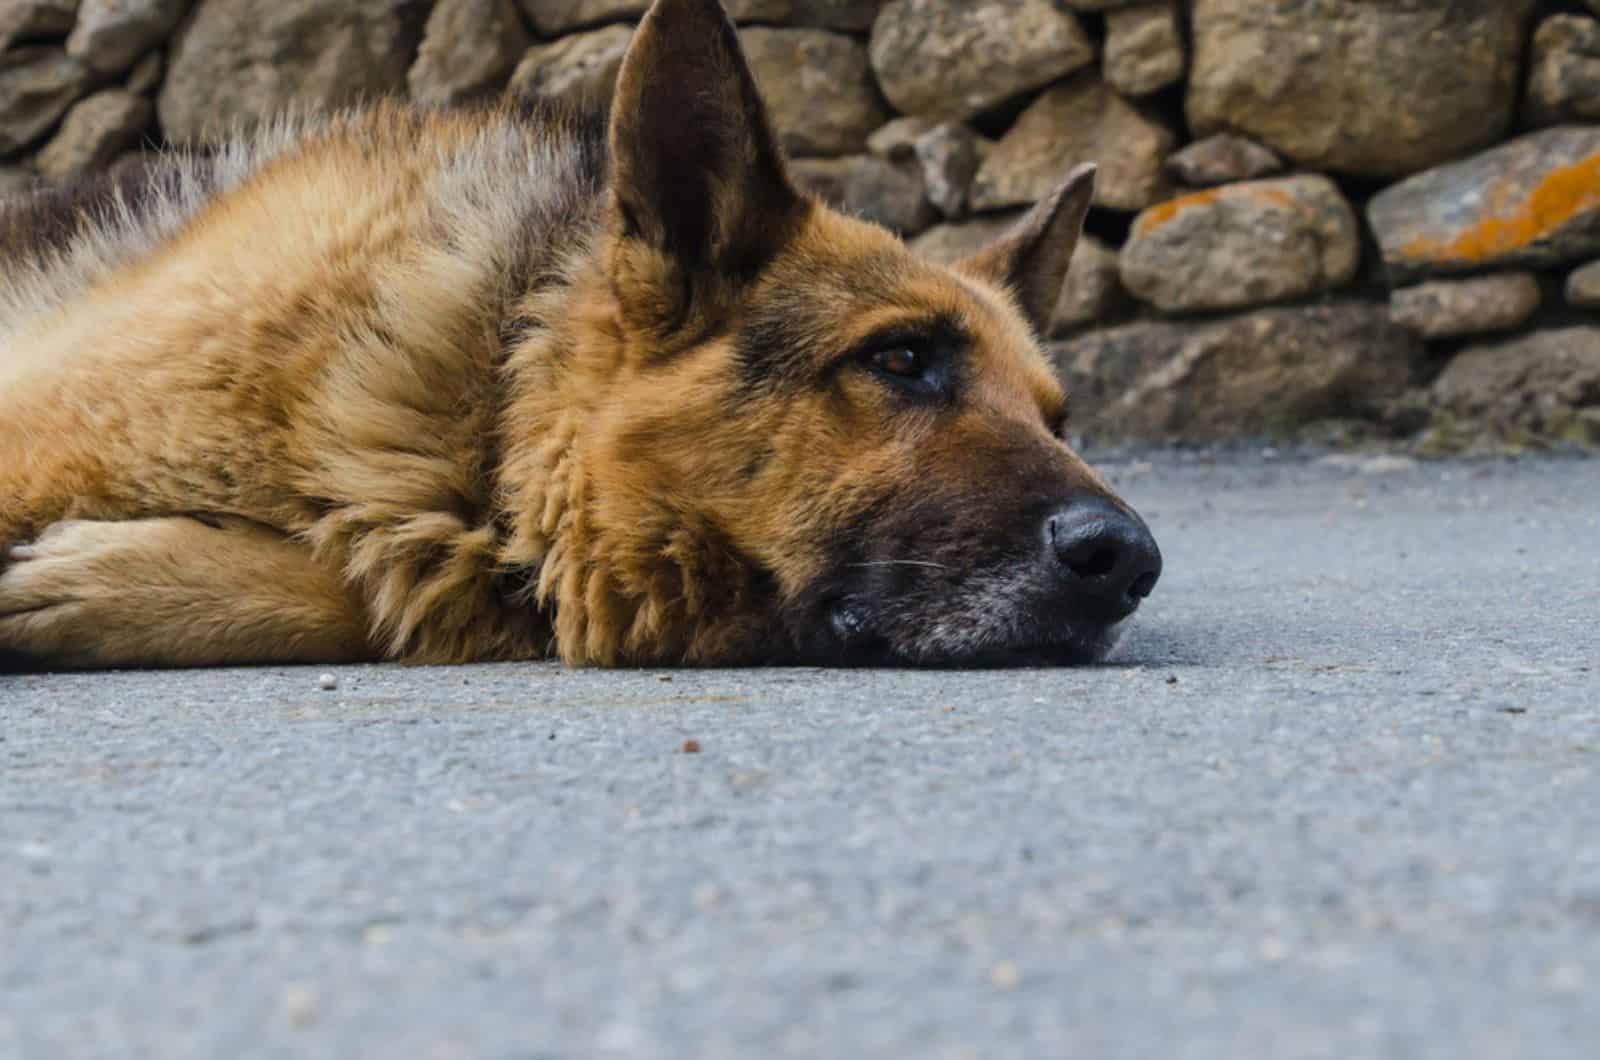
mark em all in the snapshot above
pixel 857 636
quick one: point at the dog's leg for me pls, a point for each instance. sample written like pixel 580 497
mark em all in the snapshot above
pixel 173 592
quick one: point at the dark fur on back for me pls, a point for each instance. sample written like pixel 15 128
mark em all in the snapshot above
pixel 58 240
pixel 47 217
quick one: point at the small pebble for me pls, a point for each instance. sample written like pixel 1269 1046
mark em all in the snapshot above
pixel 1567 979
pixel 1005 975
pixel 691 747
pixel 299 1005
pixel 327 682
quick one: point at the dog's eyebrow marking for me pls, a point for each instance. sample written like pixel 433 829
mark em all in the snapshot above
pixel 786 348
pixel 943 328
pixel 795 329
pixel 772 351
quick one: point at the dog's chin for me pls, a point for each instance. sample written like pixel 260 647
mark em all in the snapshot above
pixel 1079 650
pixel 854 642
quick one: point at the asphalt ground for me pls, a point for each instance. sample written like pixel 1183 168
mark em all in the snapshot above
pixel 1336 795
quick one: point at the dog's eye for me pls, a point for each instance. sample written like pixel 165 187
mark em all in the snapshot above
pixel 900 361
pixel 915 363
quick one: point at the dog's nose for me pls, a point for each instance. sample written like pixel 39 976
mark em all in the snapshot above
pixel 1106 553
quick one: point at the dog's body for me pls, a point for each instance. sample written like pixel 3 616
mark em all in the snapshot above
pixel 306 333
pixel 449 386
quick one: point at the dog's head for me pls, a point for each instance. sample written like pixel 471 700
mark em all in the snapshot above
pixel 781 436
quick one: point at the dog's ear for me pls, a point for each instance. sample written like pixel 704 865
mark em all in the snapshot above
pixel 697 173
pixel 1032 256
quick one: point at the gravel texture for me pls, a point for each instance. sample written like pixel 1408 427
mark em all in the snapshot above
pixel 1339 796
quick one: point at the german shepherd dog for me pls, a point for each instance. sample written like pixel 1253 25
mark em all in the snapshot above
pixel 445 386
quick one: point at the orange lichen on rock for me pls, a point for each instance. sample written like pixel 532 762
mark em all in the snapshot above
pixel 1161 213
pixel 1562 195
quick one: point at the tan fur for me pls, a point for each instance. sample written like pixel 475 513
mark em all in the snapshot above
pixel 115 593
pixel 639 517
pixel 298 358
pixel 315 360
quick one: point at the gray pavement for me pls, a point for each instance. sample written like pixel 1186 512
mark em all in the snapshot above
pixel 1339 795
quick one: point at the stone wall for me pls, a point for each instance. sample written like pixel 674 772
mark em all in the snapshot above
pixel 1334 219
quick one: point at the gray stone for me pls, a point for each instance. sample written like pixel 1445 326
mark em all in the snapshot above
pixel 96 130
pixel 818 87
pixel 37 85
pixel 112 35
pixel 1242 245
pixel 855 16
pixel 469 49
pixel 31 19
pixel 1102 5
pixel 131 162
pixel 953 59
pixel 1564 84
pixel 1079 121
pixel 949 243
pixel 1223 159
pixel 555 17
pixel 1533 202
pixel 1379 89
pixel 897 140
pixel 145 77
pixel 769 12
pixel 1444 309
pixel 1265 373
pixel 1583 286
pixel 949 155
pixel 1092 290
pixel 236 63
pixel 582 67
pixel 1541 387
pixel 1144 49
pixel 887 193
pixel 15 179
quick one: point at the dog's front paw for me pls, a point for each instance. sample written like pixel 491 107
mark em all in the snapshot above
pixel 173 591
pixel 37 574
pixel 59 539
pixel 59 593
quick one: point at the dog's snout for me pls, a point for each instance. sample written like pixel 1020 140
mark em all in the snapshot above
pixel 1106 554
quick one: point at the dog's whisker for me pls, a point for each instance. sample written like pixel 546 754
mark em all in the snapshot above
pixel 902 563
